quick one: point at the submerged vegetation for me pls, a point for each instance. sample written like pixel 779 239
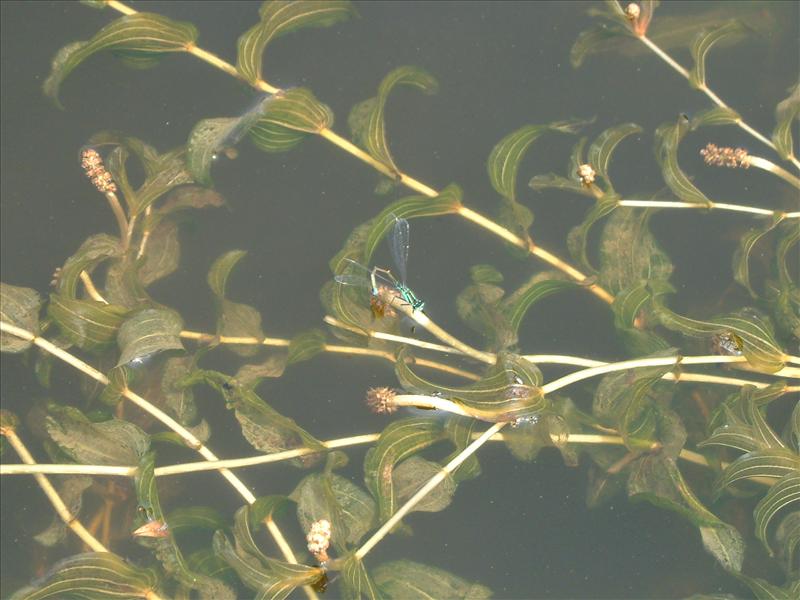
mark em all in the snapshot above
pixel 700 418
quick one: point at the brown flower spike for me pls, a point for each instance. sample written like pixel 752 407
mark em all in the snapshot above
pixel 92 163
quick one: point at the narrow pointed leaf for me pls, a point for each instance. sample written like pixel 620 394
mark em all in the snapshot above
pixel 782 494
pixel 599 155
pixel 509 390
pixel 350 510
pixel 305 346
pixel 279 18
pixel 772 463
pixel 92 575
pixel 89 324
pixel 233 319
pixel 289 118
pixel 711 117
pixel 504 160
pixel 368 119
pixel 19 306
pixel 577 239
pixel 143 35
pixel 397 442
pixel 786 113
pixel 741 258
pixel 149 332
pixel 358 584
pixel 725 543
pixel 668 138
pixel 112 442
pixel 406 579
pixel 703 43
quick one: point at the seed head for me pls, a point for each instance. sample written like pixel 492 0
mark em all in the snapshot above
pixel 92 163
pixel 319 539
pixel 632 11
pixel 381 400
pixel 586 174
pixel 725 156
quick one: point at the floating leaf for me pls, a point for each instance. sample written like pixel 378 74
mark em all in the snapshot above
pixel 397 442
pixel 19 306
pixel 509 391
pixel 785 113
pixel 262 426
pixel 92 575
pixel 279 18
pixel 406 579
pixel 305 346
pixel 668 138
pixel 599 155
pixel 624 400
pixel 113 442
pixel 702 44
pixel 367 121
pixel 350 510
pixel 142 35
pixel 725 543
pixel 288 118
pixel 89 324
pixel 413 473
pixel 148 332
pixel 629 252
pixel 741 258
pixel 478 305
pixel 210 136
pixel 657 479
pixel 459 430
pixel 719 115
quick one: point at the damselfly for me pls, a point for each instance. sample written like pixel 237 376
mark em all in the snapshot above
pixel 375 278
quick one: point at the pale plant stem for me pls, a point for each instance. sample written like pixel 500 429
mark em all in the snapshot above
pixel 91 289
pixel 379 335
pixel 406 180
pixel 434 481
pixel 60 507
pixel 649 362
pixel 708 92
pixel 145 232
pixel 769 166
pixel 697 206
pixel 119 214
pixel 421 319
pixel 171 423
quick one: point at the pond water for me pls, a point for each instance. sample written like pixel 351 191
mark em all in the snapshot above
pixel 522 529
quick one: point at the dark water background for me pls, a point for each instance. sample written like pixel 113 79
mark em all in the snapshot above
pixel 522 529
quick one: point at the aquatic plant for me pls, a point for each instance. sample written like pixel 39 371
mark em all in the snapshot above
pixel 671 424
